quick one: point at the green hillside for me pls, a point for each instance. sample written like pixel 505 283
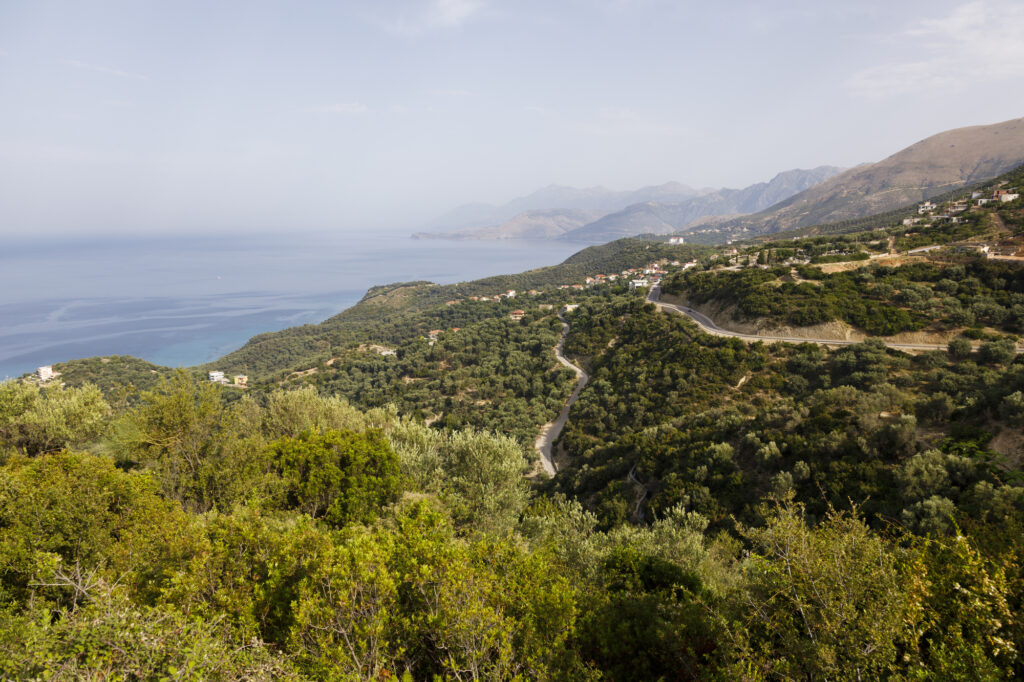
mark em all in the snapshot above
pixel 371 507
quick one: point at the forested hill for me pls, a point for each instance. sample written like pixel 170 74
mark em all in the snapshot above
pixel 398 313
pixel 370 507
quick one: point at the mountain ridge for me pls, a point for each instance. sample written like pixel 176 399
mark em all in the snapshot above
pixel 920 171
pixel 665 218
pixel 554 196
pixel 658 213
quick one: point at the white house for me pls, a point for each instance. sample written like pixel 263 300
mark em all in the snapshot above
pixel 675 240
pixel 926 207
pixel 45 373
pixel 638 284
pixel 1008 197
pixel 217 377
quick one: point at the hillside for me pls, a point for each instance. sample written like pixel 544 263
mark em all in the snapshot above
pixel 371 504
pixel 925 169
pixel 400 312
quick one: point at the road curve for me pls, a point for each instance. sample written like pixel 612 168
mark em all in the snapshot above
pixel 705 323
pixel 552 430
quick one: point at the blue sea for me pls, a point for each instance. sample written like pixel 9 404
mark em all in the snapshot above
pixel 188 300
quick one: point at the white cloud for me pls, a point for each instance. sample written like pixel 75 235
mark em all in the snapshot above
pixel 979 41
pixel 421 16
pixel 343 108
pixel 74 63
pixel 453 12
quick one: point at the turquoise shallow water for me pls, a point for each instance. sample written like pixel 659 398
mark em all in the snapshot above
pixel 185 301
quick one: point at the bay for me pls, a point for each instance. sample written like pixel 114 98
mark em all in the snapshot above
pixel 181 301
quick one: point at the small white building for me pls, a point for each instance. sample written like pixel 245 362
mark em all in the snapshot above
pixel 569 307
pixel 217 377
pixel 45 373
pixel 926 207
pixel 675 240
pixel 638 284
pixel 1008 197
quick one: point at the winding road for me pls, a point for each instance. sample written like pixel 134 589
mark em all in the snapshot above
pixel 708 325
pixel 552 430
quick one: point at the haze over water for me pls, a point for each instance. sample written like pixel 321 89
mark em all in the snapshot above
pixel 185 301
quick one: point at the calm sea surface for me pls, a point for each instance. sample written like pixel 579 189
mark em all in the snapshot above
pixel 190 300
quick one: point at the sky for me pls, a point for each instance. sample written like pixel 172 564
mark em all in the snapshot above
pixel 156 116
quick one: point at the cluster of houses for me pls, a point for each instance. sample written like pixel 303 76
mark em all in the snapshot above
pixel 649 275
pixel 948 212
pixel 218 377
pixel 931 213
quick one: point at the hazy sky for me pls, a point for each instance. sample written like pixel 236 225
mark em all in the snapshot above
pixel 151 115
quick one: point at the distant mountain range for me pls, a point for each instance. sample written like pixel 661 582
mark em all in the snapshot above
pixel 665 218
pixel 923 170
pixel 792 199
pixel 560 197
pixel 599 215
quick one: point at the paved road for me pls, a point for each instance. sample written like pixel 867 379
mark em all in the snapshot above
pixel 708 325
pixel 549 434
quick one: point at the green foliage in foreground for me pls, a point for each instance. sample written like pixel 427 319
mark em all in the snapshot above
pixel 38 420
pixel 285 552
pixel 246 595
pixel 340 477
